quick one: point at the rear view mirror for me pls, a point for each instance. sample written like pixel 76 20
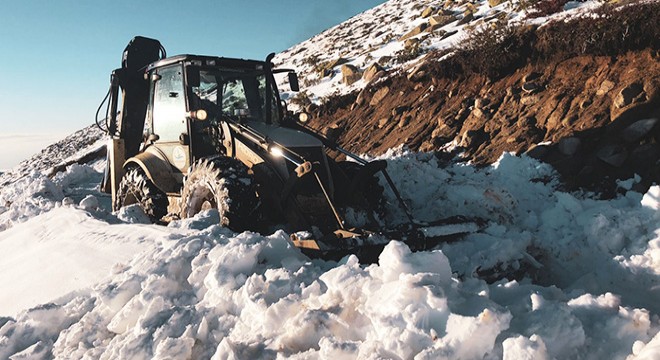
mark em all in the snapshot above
pixel 293 81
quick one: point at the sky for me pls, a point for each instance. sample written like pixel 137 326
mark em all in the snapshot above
pixel 56 56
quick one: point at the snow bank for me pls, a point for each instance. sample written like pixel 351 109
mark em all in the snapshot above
pixel 196 290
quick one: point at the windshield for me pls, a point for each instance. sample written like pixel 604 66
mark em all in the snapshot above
pixel 234 93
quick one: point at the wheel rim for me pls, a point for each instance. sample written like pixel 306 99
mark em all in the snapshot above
pixel 202 198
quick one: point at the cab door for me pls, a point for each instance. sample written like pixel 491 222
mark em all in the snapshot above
pixel 169 122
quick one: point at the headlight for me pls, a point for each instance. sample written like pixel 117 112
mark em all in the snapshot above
pixel 198 115
pixel 303 117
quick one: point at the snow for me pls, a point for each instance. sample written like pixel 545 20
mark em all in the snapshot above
pixel 102 285
pixel 569 275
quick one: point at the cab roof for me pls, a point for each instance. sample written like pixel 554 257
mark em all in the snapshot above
pixel 209 61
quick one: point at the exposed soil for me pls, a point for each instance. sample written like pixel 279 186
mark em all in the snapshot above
pixel 588 107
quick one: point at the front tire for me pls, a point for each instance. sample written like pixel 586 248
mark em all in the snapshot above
pixel 221 183
pixel 136 188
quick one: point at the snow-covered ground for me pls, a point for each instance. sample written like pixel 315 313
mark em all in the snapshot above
pixel 377 36
pixel 77 281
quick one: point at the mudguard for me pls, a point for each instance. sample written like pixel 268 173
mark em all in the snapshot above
pixel 158 169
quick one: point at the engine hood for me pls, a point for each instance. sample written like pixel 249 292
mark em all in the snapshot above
pixel 285 136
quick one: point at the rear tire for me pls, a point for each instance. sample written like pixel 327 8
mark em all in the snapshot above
pixel 221 183
pixel 136 188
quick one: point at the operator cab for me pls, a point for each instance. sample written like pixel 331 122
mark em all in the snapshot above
pixel 190 95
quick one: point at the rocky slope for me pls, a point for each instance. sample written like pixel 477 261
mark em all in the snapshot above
pixel 581 95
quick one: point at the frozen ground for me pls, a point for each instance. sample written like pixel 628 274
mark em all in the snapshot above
pixel 79 281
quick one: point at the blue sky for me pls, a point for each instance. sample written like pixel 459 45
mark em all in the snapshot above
pixel 56 56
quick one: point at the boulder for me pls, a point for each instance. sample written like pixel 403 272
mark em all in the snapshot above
pixel 638 129
pixel 612 154
pixel 350 74
pixel 414 32
pixel 466 18
pixel 371 72
pixel 411 43
pixel 383 122
pixel 334 63
pixel 333 131
pixel 416 73
pixel 529 99
pixel 537 151
pixel 494 3
pixel 404 121
pixel 632 93
pixel 530 87
pixel 379 95
pixel 442 131
pixel 531 76
pixel 605 87
pixel 427 12
pixel 400 110
pixel 441 20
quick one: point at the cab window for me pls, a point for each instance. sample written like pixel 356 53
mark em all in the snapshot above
pixel 169 108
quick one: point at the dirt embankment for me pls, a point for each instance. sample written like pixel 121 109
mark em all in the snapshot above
pixel 599 115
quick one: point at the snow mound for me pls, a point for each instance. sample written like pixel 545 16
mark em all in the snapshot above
pixel 196 290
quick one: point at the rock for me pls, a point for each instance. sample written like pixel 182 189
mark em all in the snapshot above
pixel 614 155
pixel 605 87
pixel 569 146
pixel 350 74
pixel 360 98
pixel 568 121
pixel 411 43
pixel 414 32
pixel 416 73
pixel 379 95
pixel 494 3
pixel 441 20
pixel 427 12
pixel 481 103
pixel 510 91
pixel 442 131
pixel 530 87
pixel 632 93
pixel 333 131
pixel 384 60
pixel 67 201
pixel 531 77
pixel 445 11
pixel 638 129
pixel 471 138
pixel 537 151
pixel 400 110
pixel 529 99
pixel 585 103
pixel 478 112
pixel 371 72
pixel 466 18
pixel 334 63
pixel 383 122
pixel 404 121
pixel 448 34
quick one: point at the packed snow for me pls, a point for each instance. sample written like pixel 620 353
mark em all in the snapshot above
pixel 80 281
pixel 552 274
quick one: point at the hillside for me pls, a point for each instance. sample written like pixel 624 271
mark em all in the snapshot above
pixel 565 92
pixel 517 131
